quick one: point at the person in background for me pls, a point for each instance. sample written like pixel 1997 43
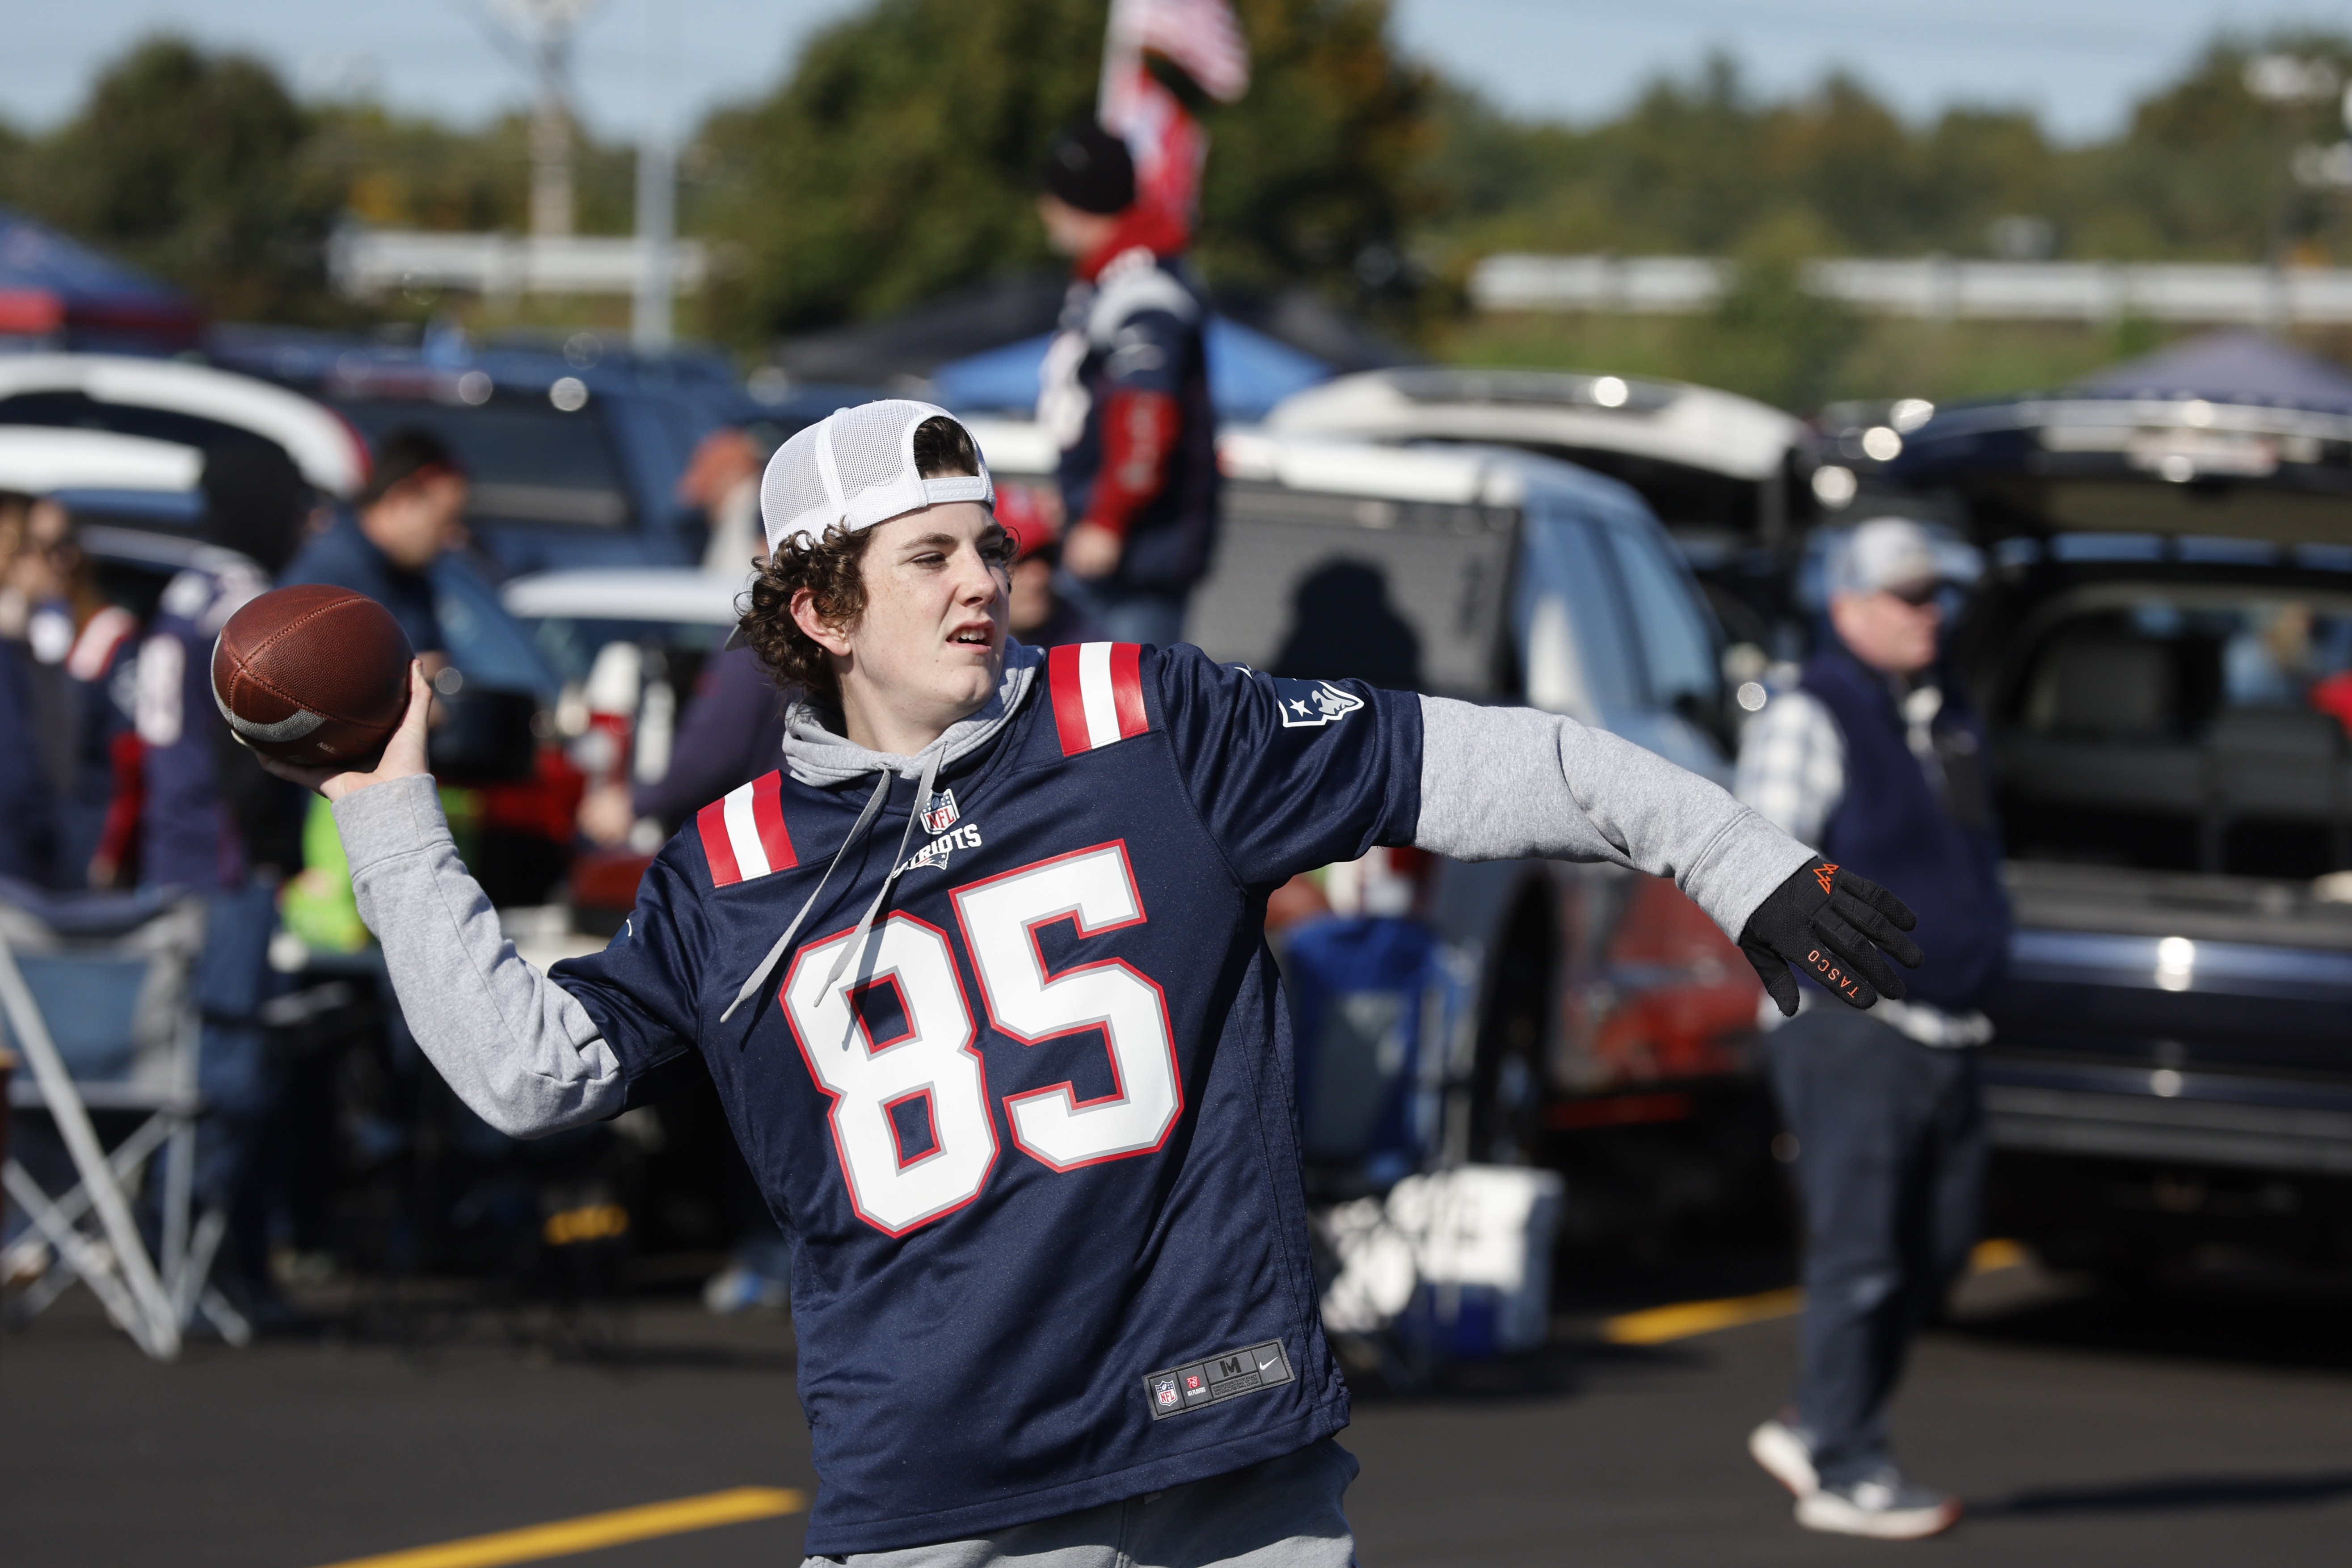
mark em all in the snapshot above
pixel 411 513
pixel 1876 759
pixel 1125 393
pixel 27 819
pixel 1035 612
pixel 79 643
pixel 214 822
pixel 722 482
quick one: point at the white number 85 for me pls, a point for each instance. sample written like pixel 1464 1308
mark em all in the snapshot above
pixel 934 1058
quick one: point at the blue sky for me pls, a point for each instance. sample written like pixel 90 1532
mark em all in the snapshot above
pixel 2079 63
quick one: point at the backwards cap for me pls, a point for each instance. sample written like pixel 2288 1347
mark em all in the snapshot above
pixel 856 467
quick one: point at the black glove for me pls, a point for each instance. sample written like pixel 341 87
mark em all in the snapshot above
pixel 1826 922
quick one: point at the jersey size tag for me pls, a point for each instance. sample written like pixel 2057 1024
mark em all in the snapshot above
pixel 1218 1377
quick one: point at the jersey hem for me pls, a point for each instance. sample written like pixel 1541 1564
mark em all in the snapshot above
pixel 1027 1508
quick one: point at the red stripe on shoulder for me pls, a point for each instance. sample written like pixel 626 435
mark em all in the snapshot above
pixel 1126 689
pixel 767 815
pixel 1069 702
pixel 711 823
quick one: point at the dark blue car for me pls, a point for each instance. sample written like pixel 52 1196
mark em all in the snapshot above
pixel 574 448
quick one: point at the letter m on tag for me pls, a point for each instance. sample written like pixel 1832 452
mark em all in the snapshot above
pixel 1231 1366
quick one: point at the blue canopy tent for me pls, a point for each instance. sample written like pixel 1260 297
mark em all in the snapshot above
pixel 1249 373
pixel 2227 367
pixel 56 293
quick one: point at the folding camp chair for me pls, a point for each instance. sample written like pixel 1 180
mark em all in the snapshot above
pixel 96 993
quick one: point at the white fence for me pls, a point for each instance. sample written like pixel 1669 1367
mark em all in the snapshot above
pixel 1936 288
pixel 368 263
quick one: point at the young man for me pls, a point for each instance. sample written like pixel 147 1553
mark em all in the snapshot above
pixel 1876 758
pixel 981 978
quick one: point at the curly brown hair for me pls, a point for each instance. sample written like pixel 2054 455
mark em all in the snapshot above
pixel 834 571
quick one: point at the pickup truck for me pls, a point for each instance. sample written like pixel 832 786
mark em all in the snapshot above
pixel 2161 650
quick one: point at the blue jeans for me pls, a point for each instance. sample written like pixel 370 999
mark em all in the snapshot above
pixel 235 1071
pixel 1154 616
pixel 1890 1162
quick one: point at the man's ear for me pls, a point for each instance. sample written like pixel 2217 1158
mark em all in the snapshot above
pixel 831 638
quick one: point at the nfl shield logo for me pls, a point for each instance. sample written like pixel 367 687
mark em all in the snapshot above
pixel 1165 1392
pixel 941 814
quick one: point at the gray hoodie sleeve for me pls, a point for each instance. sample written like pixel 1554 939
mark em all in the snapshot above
pixel 516 1047
pixel 1500 784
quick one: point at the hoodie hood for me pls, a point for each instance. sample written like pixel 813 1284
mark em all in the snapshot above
pixel 816 755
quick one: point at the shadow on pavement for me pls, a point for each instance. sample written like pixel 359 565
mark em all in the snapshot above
pixel 2170 1493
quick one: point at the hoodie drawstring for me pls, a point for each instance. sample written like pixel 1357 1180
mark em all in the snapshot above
pixel 897 864
pixel 767 964
pixel 856 942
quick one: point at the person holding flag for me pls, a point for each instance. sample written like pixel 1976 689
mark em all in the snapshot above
pixel 1124 392
pixel 1125 387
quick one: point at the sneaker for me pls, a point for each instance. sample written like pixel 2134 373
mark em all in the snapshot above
pixel 1787 1455
pixel 1881 1505
pixel 736 1288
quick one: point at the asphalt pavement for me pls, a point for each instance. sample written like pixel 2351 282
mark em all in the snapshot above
pixel 2176 1425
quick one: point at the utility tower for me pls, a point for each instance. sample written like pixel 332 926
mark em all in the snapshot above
pixel 546 28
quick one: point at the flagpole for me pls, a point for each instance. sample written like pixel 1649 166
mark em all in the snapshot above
pixel 650 321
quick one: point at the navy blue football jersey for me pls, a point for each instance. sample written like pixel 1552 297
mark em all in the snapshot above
pixel 1036 1147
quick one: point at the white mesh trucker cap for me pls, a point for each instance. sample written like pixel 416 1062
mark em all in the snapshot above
pixel 856 467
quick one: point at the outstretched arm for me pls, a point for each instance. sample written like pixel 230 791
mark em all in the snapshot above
pixel 516 1047
pixel 1503 783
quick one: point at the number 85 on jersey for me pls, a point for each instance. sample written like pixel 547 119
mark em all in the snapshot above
pixel 934 1059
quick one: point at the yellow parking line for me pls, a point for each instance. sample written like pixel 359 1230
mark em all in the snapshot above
pixel 1991 1257
pixel 589 1531
pixel 1680 1322
pixel 1656 1325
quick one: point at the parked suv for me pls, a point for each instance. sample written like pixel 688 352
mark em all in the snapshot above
pixel 2164 654
pixel 1723 472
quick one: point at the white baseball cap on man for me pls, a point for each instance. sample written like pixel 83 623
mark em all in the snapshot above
pixel 1892 554
pixel 856 467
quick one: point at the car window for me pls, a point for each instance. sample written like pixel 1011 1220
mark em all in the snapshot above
pixel 1677 644
pixel 2180 727
pixel 1564 570
pixel 489 645
pixel 530 461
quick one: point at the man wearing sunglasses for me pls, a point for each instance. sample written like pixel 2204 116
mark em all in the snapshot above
pixel 1876 760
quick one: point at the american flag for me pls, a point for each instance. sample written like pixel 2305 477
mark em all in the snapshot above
pixel 1201 36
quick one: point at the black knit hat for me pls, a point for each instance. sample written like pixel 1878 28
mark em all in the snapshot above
pixel 1091 169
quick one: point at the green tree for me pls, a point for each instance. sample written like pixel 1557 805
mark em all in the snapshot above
pixel 899 158
pixel 195 166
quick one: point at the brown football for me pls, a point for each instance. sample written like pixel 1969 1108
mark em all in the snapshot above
pixel 313 675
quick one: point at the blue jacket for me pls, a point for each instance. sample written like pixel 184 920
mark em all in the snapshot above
pixel 1139 327
pixel 343 557
pixel 1924 832
pixel 1038 1154
pixel 187 835
pixel 28 812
